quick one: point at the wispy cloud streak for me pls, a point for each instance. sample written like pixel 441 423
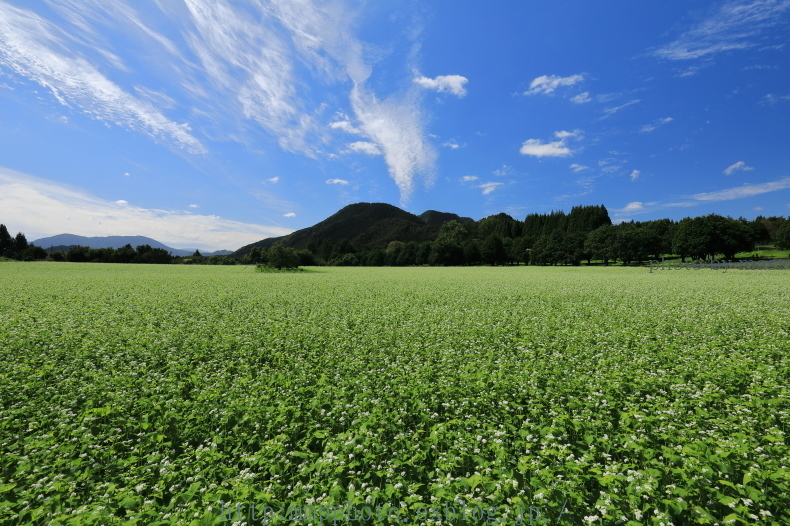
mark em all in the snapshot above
pixel 33 48
pixel 736 25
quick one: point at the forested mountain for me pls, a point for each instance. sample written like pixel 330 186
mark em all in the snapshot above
pixel 434 218
pixel 359 224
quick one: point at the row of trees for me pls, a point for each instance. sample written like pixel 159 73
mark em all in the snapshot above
pixel 586 234
pixel 125 254
pixel 18 247
pixel 554 239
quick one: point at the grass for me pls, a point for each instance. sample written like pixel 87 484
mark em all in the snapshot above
pixel 144 394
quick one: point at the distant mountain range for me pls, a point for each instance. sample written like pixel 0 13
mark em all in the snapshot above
pixel 359 223
pixel 64 241
pixel 365 224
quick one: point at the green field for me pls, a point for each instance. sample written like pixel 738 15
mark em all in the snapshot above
pixel 143 394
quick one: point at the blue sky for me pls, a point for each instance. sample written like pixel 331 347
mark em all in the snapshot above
pixel 213 124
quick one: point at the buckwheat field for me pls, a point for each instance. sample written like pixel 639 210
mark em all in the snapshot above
pixel 161 394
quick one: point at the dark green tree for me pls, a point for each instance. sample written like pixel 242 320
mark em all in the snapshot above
pixel 376 258
pixel 493 251
pixel 758 232
pixel 125 254
pixel 306 258
pixel 690 239
pixel 782 235
pixel 772 224
pixel 500 225
pixel 630 243
pixel 600 243
pixel 346 260
pixel 32 253
pixel 446 254
pixel 6 241
pixel 573 249
pixel 281 256
pixel 472 254
pixel 150 255
pixel 452 232
pixel 393 251
pixel 77 254
pixel 423 253
pixel 728 236
pixel 520 247
pixel 408 255
pixel 20 242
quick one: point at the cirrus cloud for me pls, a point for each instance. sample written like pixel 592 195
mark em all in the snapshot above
pixel 744 191
pixel 33 48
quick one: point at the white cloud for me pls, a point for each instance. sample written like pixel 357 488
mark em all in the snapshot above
pixel 451 144
pixel 615 109
pixel 250 67
pixel 633 207
pixel 771 98
pixel 565 134
pixel 743 191
pixel 579 167
pixel 444 83
pixel 273 180
pixel 289 214
pixel 468 178
pixel 537 148
pixel 193 206
pixel 396 126
pixel 344 125
pixel 336 181
pixel 489 187
pixel 126 174
pixel 758 208
pixel 33 48
pixel 736 25
pixel 635 174
pixel 502 172
pixel 368 148
pixel 238 66
pixel 740 165
pixel 44 208
pixel 581 98
pixel 121 202
pixel 546 84
pixel 650 127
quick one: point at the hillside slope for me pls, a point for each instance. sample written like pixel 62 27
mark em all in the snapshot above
pixel 359 223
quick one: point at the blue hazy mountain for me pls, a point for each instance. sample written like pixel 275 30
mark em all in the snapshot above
pixel 63 241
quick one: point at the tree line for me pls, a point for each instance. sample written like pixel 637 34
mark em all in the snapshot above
pixel 584 235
